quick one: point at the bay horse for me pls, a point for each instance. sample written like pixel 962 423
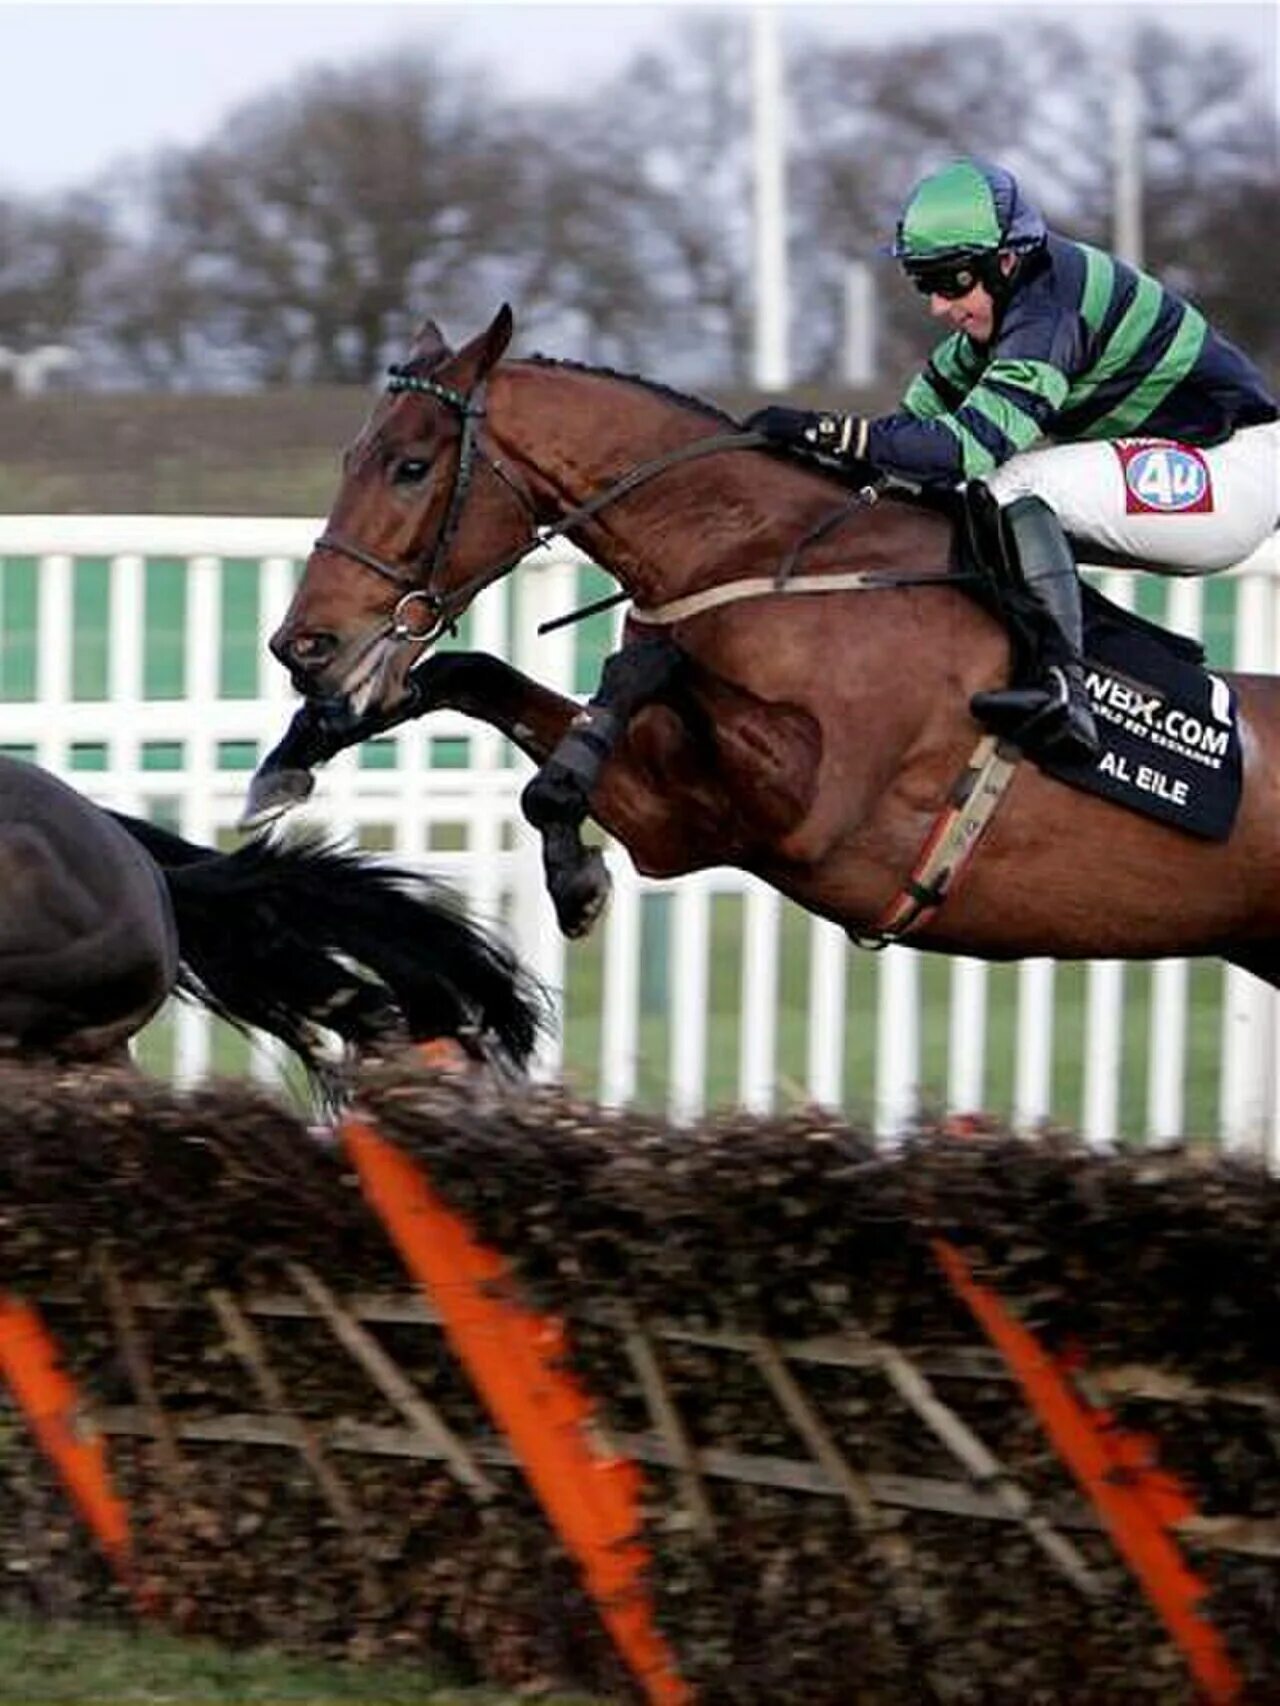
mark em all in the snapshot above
pixel 103 915
pixel 817 741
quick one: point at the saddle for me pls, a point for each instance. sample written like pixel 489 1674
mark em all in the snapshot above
pixel 1170 736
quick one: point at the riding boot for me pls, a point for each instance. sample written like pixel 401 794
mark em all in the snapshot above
pixel 1050 716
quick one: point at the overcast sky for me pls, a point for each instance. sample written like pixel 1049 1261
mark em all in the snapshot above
pixel 83 86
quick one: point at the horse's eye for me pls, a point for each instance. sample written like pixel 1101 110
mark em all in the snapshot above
pixel 409 471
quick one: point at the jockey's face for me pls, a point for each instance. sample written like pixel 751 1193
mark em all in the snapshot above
pixel 974 312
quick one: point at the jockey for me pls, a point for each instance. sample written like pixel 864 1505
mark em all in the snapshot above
pixel 1091 400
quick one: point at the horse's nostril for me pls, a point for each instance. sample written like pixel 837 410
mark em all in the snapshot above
pixel 315 649
pixel 309 650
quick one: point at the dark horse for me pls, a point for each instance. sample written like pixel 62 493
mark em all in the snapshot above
pixel 103 915
pixel 814 740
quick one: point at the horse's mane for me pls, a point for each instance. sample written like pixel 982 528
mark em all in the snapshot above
pixel 942 503
pixel 685 401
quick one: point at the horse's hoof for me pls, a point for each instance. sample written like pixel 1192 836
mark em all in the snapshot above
pixel 272 793
pixel 581 897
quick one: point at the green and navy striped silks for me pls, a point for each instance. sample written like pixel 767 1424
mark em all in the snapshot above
pixel 1087 347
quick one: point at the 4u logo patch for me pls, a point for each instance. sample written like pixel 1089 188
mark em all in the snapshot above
pixel 1164 478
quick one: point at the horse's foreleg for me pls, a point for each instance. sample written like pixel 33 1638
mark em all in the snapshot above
pixel 558 798
pixel 538 720
pixel 319 731
pixel 484 687
pixel 572 743
pixel 631 678
pixel 471 682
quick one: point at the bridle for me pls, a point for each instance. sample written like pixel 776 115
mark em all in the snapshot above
pixel 443 609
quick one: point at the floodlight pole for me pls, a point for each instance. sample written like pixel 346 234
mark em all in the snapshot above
pixel 771 367
pixel 1126 158
pixel 860 325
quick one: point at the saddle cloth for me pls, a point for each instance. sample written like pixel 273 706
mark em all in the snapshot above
pixel 1169 727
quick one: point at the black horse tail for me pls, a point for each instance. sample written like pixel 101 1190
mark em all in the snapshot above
pixel 304 938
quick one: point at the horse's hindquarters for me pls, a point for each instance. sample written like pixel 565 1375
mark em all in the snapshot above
pixel 87 941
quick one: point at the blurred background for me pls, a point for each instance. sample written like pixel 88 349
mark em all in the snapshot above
pixel 219 223
pixel 221 198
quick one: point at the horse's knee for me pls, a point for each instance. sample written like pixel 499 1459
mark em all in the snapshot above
pixel 462 679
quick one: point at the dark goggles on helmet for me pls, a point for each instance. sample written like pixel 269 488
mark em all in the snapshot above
pixel 950 279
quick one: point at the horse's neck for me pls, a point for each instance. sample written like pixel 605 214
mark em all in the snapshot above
pixel 702 521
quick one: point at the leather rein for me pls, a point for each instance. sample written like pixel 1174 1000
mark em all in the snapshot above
pixel 441 609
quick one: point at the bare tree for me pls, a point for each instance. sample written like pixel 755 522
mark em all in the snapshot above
pixel 49 255
pixel 1212 187
pixel 303 240
pixel 303 235
pixel 653 240
pixel 581 228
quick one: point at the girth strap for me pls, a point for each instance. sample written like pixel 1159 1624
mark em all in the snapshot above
pixel 770 586
pixel 950 844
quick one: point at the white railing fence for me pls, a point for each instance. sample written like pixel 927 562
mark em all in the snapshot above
pixel 710 989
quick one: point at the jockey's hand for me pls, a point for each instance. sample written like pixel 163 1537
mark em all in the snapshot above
pixel 825 432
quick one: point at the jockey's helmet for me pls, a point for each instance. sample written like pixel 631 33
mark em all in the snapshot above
pixel 958 220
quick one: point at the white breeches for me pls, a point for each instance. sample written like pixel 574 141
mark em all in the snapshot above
pixel 1185 511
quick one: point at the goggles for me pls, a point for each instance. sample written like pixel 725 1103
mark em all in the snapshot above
pixel 951 280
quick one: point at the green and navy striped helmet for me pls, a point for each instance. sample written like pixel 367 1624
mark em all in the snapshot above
pixel 963 212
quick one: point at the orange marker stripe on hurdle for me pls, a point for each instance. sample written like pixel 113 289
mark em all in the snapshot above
pixel 514 1358
pixel 1134 1500
pixel 49 1399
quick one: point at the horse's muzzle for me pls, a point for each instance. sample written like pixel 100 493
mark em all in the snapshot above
pixel 307 654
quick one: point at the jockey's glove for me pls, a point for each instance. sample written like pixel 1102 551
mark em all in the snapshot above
pixel 824 432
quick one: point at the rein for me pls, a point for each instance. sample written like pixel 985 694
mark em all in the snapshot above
pixel 442 609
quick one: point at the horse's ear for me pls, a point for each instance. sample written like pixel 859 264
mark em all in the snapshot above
pixel 429 344
pixel 475 359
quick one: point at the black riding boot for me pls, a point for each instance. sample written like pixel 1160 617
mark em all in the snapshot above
pixel 1050 716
